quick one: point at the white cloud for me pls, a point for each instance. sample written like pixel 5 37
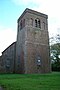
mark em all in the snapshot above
pixel 7 36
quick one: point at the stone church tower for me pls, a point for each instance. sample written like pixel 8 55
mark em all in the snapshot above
pixel 32 47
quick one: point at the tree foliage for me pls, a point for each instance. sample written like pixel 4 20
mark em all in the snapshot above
pixel 55 55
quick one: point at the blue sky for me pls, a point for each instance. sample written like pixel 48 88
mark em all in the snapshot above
pixel 9 13
pixel 10 10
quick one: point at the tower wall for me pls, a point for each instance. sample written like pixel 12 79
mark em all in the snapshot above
pixel 32 49
pixel 37 46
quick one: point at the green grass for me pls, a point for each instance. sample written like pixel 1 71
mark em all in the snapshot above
pixel 30 81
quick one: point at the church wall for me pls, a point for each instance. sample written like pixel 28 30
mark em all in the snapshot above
pixel 8 58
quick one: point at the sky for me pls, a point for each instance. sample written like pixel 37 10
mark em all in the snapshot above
pixel 10 10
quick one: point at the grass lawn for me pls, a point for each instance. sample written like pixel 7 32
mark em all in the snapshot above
pixel 30 81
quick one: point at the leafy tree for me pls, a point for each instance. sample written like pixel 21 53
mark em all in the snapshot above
pixel 55 53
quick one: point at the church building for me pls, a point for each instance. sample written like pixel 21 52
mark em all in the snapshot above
pixel 30 53
pixel 32 45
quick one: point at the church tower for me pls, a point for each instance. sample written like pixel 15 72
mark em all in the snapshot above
pixel 32 47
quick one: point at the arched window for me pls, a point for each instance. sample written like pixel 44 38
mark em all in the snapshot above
pixel 21 24
pixel 39 24
pixel 38 61
pixel 35 22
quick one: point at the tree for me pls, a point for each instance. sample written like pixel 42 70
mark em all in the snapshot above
pixel 55 53
pixel 55 39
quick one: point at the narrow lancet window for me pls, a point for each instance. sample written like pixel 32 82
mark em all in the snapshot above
pixel 21 24
pixel 35 23
pixel 39 24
